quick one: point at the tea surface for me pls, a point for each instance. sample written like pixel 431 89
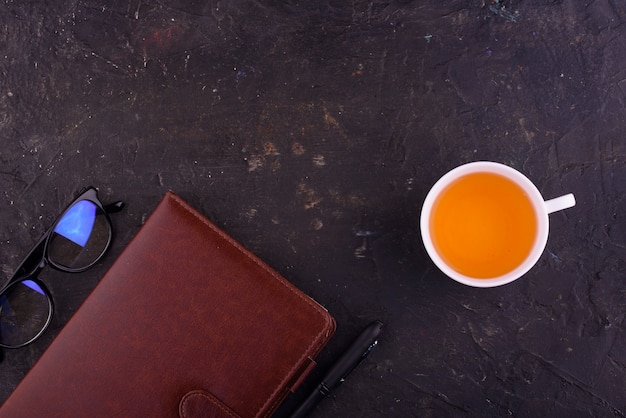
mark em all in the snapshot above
pixel 483 225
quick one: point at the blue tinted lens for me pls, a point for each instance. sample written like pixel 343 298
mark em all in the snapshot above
pixel 80 237
pixel 34 286
pixel 77 223
pixel 25 311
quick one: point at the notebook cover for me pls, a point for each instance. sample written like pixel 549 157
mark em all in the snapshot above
pixel 186 322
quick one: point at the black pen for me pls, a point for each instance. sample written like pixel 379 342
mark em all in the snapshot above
pixel 355 354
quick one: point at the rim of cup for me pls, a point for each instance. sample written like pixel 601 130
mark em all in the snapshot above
pixel 538 203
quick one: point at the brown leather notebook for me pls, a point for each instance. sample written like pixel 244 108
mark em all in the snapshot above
pixel 187 323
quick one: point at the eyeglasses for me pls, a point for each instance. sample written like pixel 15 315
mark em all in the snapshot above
pixel 79 237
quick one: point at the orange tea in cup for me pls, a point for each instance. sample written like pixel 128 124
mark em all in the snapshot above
pixel 483 225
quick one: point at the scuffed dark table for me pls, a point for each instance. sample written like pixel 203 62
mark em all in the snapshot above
pixel 311 132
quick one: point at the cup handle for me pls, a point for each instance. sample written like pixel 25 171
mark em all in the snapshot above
pixel 560 203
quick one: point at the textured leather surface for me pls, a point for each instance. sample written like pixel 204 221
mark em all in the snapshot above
pixel 184 308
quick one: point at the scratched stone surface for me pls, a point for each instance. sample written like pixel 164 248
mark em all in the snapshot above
pixel 311 132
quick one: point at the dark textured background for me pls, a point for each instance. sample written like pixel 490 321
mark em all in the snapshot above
pixel 311 132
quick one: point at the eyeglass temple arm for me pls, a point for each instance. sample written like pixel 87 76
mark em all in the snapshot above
pixel 114 207
pixel 27 268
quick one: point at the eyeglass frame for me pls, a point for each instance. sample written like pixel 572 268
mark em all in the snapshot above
pixel 29 270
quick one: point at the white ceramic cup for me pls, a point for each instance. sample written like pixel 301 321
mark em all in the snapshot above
pixel 542 209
